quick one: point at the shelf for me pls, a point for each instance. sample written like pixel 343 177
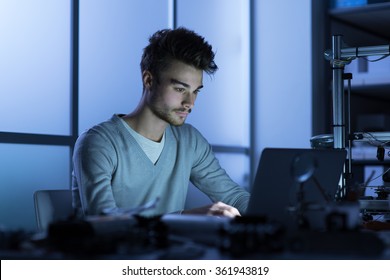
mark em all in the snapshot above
pixel 380 91
pixel 369 162
pixel 373 18
pixel 361 26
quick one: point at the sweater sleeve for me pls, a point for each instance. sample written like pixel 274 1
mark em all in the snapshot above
pixel 94 161
pixel 208 175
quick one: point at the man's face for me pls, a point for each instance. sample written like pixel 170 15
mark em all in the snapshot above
pixel 174 96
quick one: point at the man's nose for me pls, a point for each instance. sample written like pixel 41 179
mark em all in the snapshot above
pixel 189 101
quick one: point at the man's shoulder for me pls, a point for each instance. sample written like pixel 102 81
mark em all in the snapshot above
pixel 107 125
pixel 105 129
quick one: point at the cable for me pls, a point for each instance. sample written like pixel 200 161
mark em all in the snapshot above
pixel 375 60
pixel 374 140
pixel 371 178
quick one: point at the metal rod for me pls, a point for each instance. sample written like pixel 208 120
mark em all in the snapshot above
pixel 338 105
pixel 349 128
pixel 355 52
pixel 365 51
pixel 337 95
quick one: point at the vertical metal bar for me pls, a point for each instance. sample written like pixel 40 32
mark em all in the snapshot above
pixel 74 69
pixel 338 94
pixel 252 100
pixel 338 104
pixel 321 99
pixel 173 14
pixel 74 74
pixel 349 129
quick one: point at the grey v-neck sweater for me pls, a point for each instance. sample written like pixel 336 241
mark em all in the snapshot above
pixel 111 171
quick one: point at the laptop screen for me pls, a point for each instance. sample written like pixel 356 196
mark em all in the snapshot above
pixel 289 179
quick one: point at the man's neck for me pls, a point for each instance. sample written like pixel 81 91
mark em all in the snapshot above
pixel 143 121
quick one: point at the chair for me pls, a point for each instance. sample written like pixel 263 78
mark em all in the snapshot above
pixel 52 205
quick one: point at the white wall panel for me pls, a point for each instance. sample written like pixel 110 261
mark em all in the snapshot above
pixel 221 111
pixel 283 74
pixel 35 66
pixel 112 37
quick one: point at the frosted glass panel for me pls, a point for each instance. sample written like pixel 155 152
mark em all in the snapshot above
pixel 23 170
pixel 221 111
pixel 35 66
pixel 112 37
pixel 284 88
pixel 236 166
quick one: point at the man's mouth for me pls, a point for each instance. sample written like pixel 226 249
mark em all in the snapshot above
pixel 183 112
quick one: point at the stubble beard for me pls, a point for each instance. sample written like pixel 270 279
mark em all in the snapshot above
pixel 166 113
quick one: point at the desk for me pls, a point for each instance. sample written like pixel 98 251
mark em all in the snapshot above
pixel 191 237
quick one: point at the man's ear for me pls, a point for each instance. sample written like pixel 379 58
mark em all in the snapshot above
pixel 147 79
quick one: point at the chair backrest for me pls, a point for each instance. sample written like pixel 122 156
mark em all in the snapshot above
pixel 52 205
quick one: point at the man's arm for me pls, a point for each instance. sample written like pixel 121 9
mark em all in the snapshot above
pixel 94 162
pixel 208 175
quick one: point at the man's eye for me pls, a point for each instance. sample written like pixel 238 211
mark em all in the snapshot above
pixel 182 90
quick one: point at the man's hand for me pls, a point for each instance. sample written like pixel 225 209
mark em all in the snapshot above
pixel 215 209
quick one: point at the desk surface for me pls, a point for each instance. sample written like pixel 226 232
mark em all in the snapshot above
pixel 203 238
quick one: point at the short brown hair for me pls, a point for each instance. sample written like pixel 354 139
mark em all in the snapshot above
pixel 177 44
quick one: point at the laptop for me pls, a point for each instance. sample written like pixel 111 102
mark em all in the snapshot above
pixel 281 174
pixel 290 180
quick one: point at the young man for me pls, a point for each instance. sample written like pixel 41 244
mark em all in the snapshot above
pixel 150 153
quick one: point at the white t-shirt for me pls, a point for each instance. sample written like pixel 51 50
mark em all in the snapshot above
pixel 151 148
